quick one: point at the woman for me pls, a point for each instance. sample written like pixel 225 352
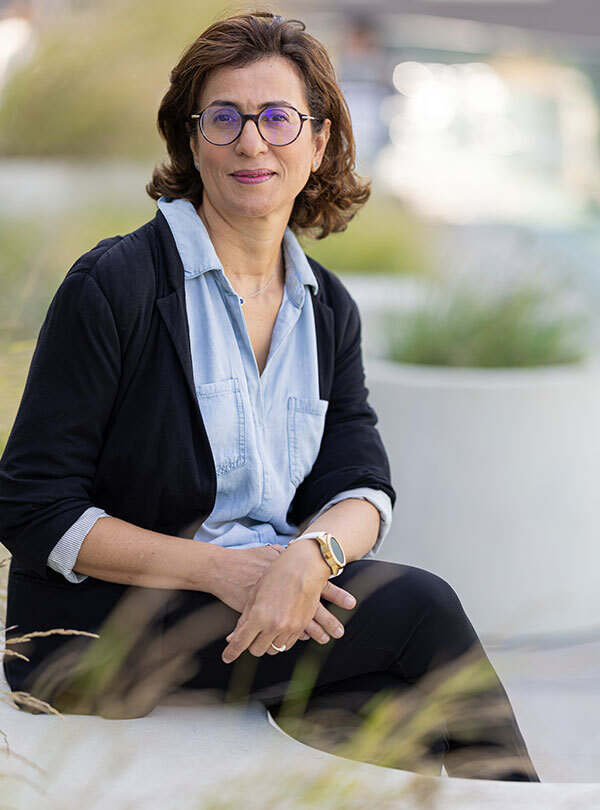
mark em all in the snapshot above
pixel 201 380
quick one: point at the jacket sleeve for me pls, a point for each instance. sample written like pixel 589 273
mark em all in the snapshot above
pixel 48 467
pixel 351 454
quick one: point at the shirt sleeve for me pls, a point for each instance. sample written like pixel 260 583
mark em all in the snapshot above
pixel 380 500
pixel 63 556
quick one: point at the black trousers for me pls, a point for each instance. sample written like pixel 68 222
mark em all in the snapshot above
pixel 410 660
pixel 407 686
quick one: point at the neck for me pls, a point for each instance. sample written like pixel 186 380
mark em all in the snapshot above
pixel 249 248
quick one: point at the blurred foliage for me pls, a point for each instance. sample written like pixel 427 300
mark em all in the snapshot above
pixel 37 252
pixel 471 326
pixel 15 358
pixel 35 255
pixel 95 84
pixel 383 237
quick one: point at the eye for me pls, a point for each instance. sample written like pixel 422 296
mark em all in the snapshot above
pixel 277 116
pixel 223 116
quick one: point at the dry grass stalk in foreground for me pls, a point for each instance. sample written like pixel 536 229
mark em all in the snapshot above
pixel 328 785
pixel 397 730
pixel 394 730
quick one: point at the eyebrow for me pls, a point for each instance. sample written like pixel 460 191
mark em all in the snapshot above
pixel 227 103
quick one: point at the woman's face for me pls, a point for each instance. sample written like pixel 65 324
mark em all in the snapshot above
pixel 250 89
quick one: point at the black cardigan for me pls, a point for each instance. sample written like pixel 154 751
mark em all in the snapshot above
pixel 109 418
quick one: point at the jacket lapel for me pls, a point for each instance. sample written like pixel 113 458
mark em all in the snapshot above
pixel 171 304
pixel 173 312
pixel 172 309
pixel 325 330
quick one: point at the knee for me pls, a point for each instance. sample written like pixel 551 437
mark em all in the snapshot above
pixel 403 586
pixel 405 590
pixel 434 593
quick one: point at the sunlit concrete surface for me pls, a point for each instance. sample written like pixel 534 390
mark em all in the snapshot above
pixel 555 693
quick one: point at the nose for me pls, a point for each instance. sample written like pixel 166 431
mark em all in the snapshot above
pixel 250 141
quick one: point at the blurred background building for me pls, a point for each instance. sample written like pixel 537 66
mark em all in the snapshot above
pixel 475 110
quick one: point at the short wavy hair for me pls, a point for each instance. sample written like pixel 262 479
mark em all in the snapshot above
pixel 334 193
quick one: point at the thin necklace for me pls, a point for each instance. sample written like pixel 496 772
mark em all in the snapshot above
pixel 251 295
pixel 262 289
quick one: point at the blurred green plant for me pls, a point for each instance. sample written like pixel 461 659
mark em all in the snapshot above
pixel 35 256
pixel 36 253
pixel 94 85
pixel 383 237
pixel 15 358
pixel 465 326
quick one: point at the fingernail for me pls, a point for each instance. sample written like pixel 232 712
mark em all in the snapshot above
pixel 350 601
pixel 339 631
pixel 227 660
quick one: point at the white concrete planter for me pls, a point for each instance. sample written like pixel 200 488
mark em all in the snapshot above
pixel 497 474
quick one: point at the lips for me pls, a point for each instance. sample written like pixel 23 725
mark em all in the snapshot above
pixel 254 173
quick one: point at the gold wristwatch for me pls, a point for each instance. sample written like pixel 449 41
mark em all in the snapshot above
pixel 332 552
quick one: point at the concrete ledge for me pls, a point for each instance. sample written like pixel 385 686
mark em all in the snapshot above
pixel 182 757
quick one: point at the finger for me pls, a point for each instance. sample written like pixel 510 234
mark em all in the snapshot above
pixel 315 631
pixel 290 642
pixel 304 636
pixel 241 639
pixel 333 593
pixel 262 644
pixel 272 651
pixel 328 622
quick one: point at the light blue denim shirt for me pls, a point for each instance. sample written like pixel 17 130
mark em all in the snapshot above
pixel 264 429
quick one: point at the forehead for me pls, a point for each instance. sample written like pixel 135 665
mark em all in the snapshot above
pixel 253 85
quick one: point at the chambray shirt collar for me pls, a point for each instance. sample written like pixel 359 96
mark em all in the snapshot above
pixel 198 255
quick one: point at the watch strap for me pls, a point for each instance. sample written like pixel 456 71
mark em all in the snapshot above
pixel 336 568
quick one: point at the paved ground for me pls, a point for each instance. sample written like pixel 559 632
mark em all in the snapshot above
pixel 555 692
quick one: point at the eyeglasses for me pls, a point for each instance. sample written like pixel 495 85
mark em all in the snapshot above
pixel 278 126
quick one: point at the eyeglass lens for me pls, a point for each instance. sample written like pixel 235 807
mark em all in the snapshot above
pixel 277 125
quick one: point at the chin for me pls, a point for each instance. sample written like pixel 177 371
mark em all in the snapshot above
pixel 251 208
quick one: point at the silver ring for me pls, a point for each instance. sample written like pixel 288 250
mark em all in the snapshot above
pixel 279 649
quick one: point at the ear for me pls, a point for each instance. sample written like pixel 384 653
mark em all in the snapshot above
pixel 321 139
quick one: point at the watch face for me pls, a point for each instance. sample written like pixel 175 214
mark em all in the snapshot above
pixel 337 550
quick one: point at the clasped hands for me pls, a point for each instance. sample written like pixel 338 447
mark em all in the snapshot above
pixel 278 592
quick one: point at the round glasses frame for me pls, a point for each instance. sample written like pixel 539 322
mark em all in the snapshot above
pixel 199 117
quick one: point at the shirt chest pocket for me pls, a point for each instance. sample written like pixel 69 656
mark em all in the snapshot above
pixel 305 425
pixel 222 410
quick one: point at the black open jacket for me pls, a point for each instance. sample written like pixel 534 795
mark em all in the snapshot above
pixel 109 418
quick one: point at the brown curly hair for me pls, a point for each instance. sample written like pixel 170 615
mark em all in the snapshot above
pixel 334 193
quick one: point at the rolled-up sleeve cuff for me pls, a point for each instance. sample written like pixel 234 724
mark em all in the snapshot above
pixel 63 556
pixel 380 500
